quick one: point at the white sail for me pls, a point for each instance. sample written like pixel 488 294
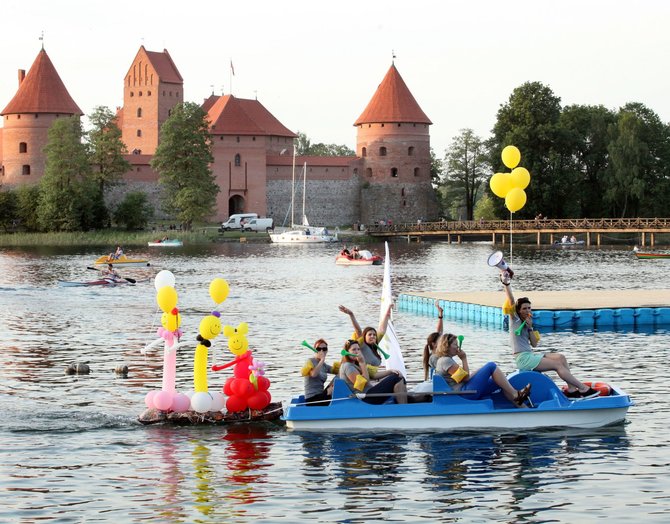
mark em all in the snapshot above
pixel 389 344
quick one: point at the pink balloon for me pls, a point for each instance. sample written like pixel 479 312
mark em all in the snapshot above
pixel 181 403
pixel 169 369
pixel 163 400
pixel 149 399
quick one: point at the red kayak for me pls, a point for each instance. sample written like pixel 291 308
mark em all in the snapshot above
pixel 99 282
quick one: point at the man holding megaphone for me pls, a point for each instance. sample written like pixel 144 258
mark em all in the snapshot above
pixel 524 338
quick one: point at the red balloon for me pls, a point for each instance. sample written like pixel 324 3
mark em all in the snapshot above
pixel 241 387
pixel 227 387
pixel 242 367
pixel 236 403
pixel 258 400
pixel 263 383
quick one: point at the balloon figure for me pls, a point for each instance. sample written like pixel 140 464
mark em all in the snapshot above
pixel 202 400
pixel 167 399
pixel 248 388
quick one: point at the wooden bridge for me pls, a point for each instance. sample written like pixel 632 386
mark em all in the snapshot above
pixel 591 228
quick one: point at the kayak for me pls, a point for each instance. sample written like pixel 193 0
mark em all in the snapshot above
pixel 452 410
pixel 646 256
pixel 99 282
pixel 122 261
pixel 166 243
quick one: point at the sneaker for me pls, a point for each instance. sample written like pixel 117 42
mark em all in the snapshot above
pixel 589 393
pixel 573 394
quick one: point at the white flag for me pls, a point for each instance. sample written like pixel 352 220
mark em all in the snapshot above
pixel 389 344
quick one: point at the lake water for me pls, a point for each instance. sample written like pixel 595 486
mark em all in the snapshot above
pixel 71 449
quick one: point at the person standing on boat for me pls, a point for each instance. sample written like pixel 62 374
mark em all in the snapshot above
pixel 429 357
pixel 523 339
pixel 369 338
pixel 484 381
pixel 315 371
pixel 356 373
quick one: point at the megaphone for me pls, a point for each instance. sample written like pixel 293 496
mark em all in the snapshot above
pixel 496 260
pixel 304 343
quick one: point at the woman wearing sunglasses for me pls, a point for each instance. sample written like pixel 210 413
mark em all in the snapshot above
pixel 315 372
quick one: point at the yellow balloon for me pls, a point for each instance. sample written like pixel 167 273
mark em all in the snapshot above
pixel 218 290
pixel 166 298
pixel 511 156
pixel 515 199
pixel 200 369
pixel 210 327
pixel 500 184
pixel 520 177
pixel 170 322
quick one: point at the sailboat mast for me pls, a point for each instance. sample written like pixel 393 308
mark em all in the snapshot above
pixel 293 191
pixel 304 189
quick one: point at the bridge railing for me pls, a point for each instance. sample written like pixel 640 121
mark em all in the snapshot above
pixel 545 224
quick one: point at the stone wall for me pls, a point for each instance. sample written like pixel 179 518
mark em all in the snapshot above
pixel 400 204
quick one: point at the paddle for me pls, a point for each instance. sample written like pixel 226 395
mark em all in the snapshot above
pixel 131 280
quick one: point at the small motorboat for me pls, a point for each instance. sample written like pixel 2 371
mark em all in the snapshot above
pixel 646 256
pixel 172 242
pixel 122 261
pixel 452 410
pixel 99 282
pixel 303 235
pixel 365 258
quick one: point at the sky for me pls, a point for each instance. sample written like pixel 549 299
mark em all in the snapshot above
pixel 315 65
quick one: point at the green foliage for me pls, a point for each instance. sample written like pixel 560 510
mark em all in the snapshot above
pixel 106 148
pixel 467 167
pixel 484 209
pixel 182 161
pixel 26 196
pixel 436 169
pixel 8 208
pixel 304 147
pixel 134 212
pixel 66 199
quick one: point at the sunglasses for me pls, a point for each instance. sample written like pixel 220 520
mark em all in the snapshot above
pixel 322 348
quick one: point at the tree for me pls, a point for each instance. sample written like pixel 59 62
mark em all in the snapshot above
pixel 182 161
pixel 529 120
pixel 305 147
pixel 26 196
pixel 8 208
pixel 467 168
pixel 134 212
pixel 65 195
pixel 107 148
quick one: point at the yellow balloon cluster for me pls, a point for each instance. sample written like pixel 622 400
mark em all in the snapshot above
pixel 510 186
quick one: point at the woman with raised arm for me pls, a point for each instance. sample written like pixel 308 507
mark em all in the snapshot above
pixel 523 339
pixel 429 357
pixel 369 337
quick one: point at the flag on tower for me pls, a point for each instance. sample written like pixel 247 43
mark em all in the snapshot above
pixel 232 69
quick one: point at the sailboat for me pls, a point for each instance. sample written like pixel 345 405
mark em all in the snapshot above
pixel 302 233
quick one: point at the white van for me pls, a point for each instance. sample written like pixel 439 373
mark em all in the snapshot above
pixel 235 222
pixel 259 224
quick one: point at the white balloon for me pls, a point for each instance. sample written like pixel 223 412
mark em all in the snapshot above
pixel 164 278
pixel 201 402
pixel 218 401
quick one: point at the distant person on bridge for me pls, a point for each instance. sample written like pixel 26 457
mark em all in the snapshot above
pixel 523 339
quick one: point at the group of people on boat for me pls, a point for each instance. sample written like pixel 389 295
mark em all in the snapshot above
pixel 361 358
pixel 353 254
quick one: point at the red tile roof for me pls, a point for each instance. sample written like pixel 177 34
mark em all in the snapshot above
pixel 238 116
pixel 164 66
pixel 393 102
pixel 42 91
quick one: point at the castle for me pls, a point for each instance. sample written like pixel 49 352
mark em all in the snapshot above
pixel 388 179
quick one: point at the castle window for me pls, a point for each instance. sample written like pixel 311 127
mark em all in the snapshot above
pixel 163 92
pixel 404 203
pixel 394 172
pixel 23 147
pixel 238 160
pixel 253 139
pixel 139 132
pixel 417 171
pixel 149 92
pixel 399 125
pixel 139 112
pixel 169 112
pixel 364 152
pixel 410 151
pixel 18 117
pixel 368 171
pixel 221 137
pixel 238 138
pixel 139 94
pixel 25 170
pixel 355 171
pixel 132 94
pixel 36 115
pixel 402 192
pixel 382 125
pixel 382 151
pixel 177 93
pixel 170 93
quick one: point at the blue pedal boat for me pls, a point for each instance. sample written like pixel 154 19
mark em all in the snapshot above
pixel 450 410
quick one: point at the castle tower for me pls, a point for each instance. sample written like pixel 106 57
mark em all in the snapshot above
pixel 39 101
pixel 151 88
pixel 393 141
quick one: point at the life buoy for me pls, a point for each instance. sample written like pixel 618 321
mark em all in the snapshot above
pixel 604 389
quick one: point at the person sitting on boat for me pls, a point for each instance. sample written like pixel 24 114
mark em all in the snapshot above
pixel 484 381
pixel 110 272
pixel 315 371
pixel 345 252
pixel 356 373
pixel 116 254
pixel 573 239
pixel 164 239
pixel 355 253
pixel 564 240
pixel 369 338
pixel 523 339
pixel 429 357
